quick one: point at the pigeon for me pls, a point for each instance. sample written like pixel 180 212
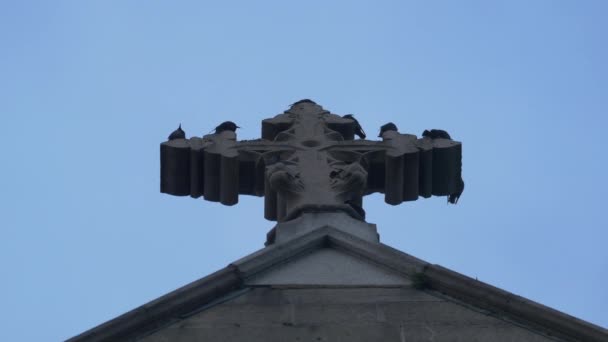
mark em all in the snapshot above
pixel 453 198
pixel 303 101
pixel 358 129
pixel 226 126
pixel 177 134
pixel 436 134
pixel 387 127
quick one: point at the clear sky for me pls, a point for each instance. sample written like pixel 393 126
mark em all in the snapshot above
pixel 89 89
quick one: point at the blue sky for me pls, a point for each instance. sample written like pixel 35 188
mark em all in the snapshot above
pixel 88 90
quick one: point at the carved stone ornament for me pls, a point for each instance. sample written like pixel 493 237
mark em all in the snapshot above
pixel 308 161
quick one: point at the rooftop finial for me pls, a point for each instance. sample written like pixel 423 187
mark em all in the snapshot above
pixel 308 161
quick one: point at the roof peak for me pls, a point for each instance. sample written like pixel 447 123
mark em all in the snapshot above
pixel 434 279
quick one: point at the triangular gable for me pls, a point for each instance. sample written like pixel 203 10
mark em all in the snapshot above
pixel 265 267
pixel 328 267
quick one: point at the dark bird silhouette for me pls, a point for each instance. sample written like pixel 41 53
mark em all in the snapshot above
pixel 358 129
pixel 436 134
pixel 177 134
pixel 453 198
pixel 226 126
pixel 387 127
pixel 303 101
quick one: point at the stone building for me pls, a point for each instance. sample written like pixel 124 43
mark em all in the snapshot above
pixel 324 275
pixel 334 281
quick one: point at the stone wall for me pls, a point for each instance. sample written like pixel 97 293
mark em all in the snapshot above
pixel 342 314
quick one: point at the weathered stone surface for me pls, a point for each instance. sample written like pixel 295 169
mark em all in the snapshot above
pixel 367 314
pixel 308 161
pixel 308 222
pixel 453 306
pixel 329 267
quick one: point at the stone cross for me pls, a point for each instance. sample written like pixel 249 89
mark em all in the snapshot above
pixel 308 161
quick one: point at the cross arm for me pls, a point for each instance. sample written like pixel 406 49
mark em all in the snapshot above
pixel 217 167
pixel 404 167
pixel 420 167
